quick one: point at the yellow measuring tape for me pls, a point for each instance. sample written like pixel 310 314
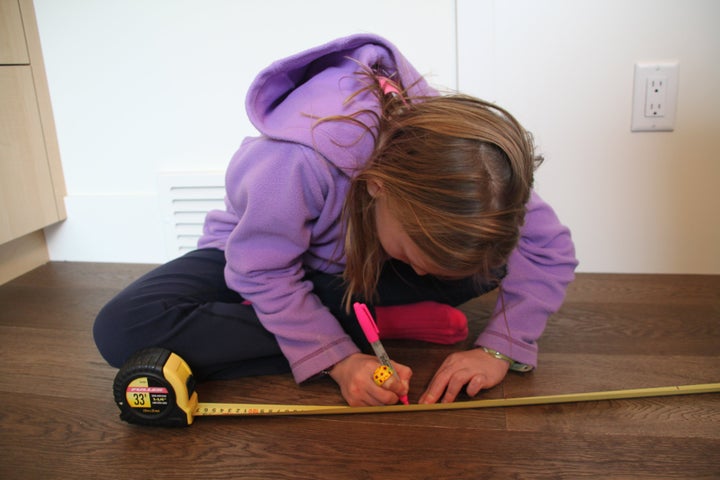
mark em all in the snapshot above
pixel 254 409
pixel 156 387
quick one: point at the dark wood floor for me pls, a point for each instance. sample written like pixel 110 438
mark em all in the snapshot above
pixel 58 419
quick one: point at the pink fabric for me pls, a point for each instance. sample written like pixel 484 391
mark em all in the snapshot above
pixel 427 321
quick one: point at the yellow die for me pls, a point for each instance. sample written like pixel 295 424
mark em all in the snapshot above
pixel 382 373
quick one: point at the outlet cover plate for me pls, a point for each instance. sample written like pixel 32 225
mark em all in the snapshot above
pixel 646 116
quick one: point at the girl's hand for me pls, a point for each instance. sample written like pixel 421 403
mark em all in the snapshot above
pixel 474 368
pixel 354 375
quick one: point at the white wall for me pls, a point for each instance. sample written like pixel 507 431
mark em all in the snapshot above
pixel 636 202
pixel 141 88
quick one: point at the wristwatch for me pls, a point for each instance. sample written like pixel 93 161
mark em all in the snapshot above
pixel 514 366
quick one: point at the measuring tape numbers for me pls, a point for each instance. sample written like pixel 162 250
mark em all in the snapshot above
pixel 156 387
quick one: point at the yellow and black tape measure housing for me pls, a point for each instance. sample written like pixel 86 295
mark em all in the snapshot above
pixel 156 387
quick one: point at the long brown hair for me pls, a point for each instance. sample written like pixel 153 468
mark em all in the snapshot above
pixel 457 171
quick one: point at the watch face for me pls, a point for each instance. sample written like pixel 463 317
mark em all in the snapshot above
pixel 520 367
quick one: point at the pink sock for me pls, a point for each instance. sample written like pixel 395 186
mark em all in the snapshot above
pixel 427 321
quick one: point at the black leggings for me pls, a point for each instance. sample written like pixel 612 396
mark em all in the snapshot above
pixel 186 306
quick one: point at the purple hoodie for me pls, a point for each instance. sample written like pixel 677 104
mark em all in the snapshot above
pixel 285 192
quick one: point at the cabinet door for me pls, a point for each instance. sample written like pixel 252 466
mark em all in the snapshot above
pixel 27 200
pixel 12 36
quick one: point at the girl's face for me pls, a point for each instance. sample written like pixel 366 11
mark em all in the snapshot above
pixel 398 245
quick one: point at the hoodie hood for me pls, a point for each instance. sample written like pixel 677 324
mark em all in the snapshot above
pixel 287 98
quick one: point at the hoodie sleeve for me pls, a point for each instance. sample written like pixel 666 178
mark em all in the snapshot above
pixel 539 271
pixel 277 190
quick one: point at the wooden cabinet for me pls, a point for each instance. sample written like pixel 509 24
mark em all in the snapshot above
pixel 31 183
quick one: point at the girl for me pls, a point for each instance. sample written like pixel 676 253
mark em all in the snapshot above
pixel 364 184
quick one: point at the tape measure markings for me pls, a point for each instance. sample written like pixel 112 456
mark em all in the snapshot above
pixel 258 409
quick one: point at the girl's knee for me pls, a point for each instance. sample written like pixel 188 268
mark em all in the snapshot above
pixel 109 332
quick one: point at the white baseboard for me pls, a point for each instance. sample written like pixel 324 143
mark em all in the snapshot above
pixel 109 228
pixel 137 228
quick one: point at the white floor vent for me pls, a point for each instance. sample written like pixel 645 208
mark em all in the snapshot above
pixel 185 199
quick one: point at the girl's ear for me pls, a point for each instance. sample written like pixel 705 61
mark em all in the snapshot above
pixel 374 187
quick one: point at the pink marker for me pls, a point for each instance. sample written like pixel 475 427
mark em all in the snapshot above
pixel 370 329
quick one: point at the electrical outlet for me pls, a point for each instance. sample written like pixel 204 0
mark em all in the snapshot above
pixel 654 97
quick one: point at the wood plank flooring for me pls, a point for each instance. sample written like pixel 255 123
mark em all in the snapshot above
pixel 58 419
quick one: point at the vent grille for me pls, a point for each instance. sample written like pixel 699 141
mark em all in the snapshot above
pixel 186 198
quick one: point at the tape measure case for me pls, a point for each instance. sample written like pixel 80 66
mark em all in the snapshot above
pixel 155 387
